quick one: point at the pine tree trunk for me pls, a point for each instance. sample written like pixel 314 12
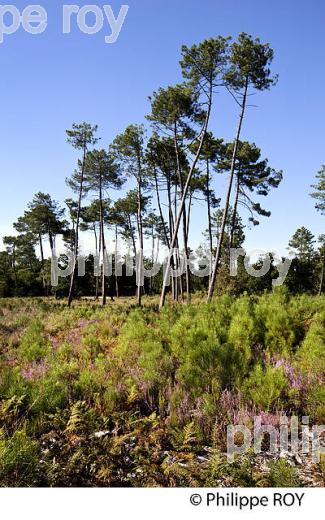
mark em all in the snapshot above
pixel 187 269
pixel 76 240
pixel 132 236
pixel 152 254
pixel 177 281
pixel 185 229
pixel 72 235
pixel 102 241
pixel 140 235
pixel 96 252
pixel 160 210
pixel 209 207
pixel 51 242
pixel 189 215
pixel 226 209
pixel 14 265
pixel 209 216
pixel 234 217
pixel 171 231
pixel 42 262
pixel 115 264
pixel 157 250
pixel 186 188
pixel 322 276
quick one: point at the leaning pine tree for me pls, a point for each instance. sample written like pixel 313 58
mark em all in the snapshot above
pixel 249 68
pixel 203 66
pixel 173 111
pixel 252 176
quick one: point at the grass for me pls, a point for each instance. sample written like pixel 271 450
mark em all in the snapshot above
pixel 121 396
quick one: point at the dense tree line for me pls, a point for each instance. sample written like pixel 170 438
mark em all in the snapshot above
pixel 174 167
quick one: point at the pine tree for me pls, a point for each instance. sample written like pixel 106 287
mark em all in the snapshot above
pixel 252 175
pixel 129 148
pixel 81 136
pixel 249 68
pixel 319 196
pixel 203 66
pixel 102 172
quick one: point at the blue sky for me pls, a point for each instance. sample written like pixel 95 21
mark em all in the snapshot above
pixel 49 81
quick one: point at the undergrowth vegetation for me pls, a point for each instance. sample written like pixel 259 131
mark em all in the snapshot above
pixel 129 397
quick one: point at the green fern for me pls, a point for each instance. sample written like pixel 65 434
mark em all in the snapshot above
pixel 76 420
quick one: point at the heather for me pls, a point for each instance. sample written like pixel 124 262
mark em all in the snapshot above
pixel 128 396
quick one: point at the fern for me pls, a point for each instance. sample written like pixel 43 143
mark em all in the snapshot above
pixel 77 418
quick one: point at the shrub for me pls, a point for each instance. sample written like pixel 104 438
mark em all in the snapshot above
pixel 136 397
pixel 244 331
pixel 34 345
pixel 18 459
pixel 283 475
pixel 283 328
pixel 12 382
pixel 265 386
pixel 311 355
pixel 315 403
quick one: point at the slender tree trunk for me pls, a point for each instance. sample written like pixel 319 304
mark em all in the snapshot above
pixel 140 235
pixel 186 188
pixel 152 254
pixel 41 249
pixel 177 280
pixel 160 210
pixel 132 237
pixel 72 235
pixel 171 231
pixel 225 213
pixel 102 240
pixel 14 265
pixel 157 250
pixel 234 217
pixel 76 239
pixel 42 262
pixel 185 230
pixel 189 215
pixel 100 248
pixel 51 240
pixel 115 263
pixel 209 216
pixel 209 207
pixel 322 276
pixel 186 253
pixel 96 252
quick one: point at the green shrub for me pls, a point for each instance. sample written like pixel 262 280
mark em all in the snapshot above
pixel 34 344
pixel 265 386
pixel 91 344
pixel 12 382
pixel 315 403
pixel 143 353
pixel 18 459
pixel 283 475
pixel 244 331
pixel 283 328
pixel 53 391
pixel 239 473
pixel 158 389
pixel 199 342
pixel 311 355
